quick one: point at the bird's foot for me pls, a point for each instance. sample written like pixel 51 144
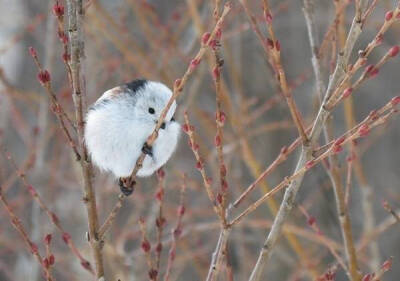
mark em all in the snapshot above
pixel 147 149
pixel 126 185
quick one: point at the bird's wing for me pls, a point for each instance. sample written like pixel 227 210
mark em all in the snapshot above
pixel 112 93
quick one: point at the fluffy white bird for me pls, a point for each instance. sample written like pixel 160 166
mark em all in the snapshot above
pixel 119 123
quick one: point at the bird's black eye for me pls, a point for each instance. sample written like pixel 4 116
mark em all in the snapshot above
pixel 151 110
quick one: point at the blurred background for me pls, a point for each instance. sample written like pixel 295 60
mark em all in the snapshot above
pixel 129 39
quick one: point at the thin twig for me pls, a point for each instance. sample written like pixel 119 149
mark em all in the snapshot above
pixel 57 108
pixel 312 222
pixel 177 231
pixel 272 49
pixel 189 129
pixel 308 11
pixel 33 248
pixel 160 220
pixel 51 215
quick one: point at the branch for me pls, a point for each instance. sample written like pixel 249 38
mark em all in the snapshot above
pixel 51 215
pixel 75 17
pixel 33 248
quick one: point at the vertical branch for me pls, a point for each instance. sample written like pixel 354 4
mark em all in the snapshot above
pixel 160 220
pixel 221 248
pixel 272 49
pixel 177 231
pixel 219 254
pixel 146 247
pixel 189 130
pixel 344 219
pixel 333 170
pixel 220 121
pixel 308 11
pixel 75 16
pixel 366 191
pixel 45 80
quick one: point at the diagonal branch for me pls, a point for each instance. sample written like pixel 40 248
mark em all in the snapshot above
pixel 178 87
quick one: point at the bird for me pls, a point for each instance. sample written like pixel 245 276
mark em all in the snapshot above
pixel 118 124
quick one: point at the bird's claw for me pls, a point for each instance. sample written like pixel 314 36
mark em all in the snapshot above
pixel 147 149
pixel 126 185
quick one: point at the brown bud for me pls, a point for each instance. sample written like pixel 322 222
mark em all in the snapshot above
pixel 309 164
pixel 32 190
pixel 32 52
pixel 58 10
pixel 364 130
pixel 394 51
pixel 278 45
pixel 159 248
pixel 387 265
pixel 224 186
pixel 205 37
pixel 52 259
pixel 269 43
pixel 219 198
pixel 185 128
pixel 146 247
pixel 66 237
pixel 217 141
pixel 337 148
pixel 43 76
pixel 389 15
pixel 367 277
pixel 222 170
pixel 216 73
pixel 340 140
pixel 347 92
pixel 311 220
pixel 181 210
pixel 86 265
pixel 47 239
pixel 194 63
pixel 160 194
pixel 268 17
pixel 395 101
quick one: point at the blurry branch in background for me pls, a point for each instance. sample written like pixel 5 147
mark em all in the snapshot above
pixel 176 232
pixel 154 261
pixel 32 247
pixel 272 49
pixel 32 191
